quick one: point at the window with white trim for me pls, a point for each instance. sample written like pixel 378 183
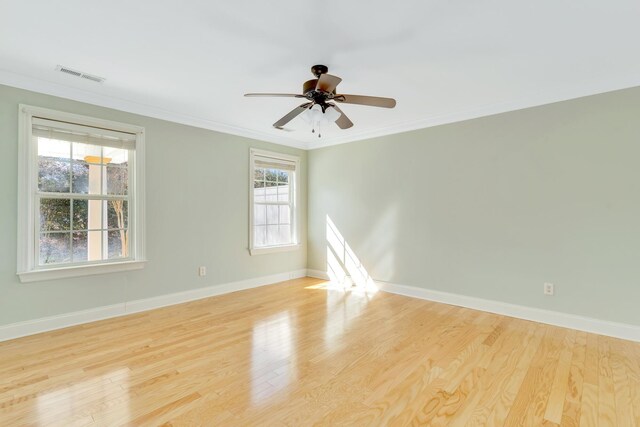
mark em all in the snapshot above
pixel 273 200
pixel 80 205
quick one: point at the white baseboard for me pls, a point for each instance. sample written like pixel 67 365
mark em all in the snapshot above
pixel 30 327
pixel 317 274
pixel 556 318
pixel 581 323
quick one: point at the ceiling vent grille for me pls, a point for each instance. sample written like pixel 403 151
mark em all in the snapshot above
pixel 80 74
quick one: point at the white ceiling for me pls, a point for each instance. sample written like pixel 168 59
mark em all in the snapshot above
pixel 191 61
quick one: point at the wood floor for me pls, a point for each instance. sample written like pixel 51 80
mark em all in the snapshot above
pixel 299 354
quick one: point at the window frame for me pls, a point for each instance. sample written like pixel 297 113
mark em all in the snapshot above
pixel 28 269
pixel 295 226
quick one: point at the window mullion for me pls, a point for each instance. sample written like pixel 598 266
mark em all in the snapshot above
pixel 274 203
pixel 71 167
pixel 131 207
pixel 101 233
pixel 37 231
pixel 292 216
pixel 71 228
pixel 46 195
pixel 71 162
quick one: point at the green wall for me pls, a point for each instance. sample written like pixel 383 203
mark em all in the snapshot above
pixel 491 208
pixel 192 171
pixel 494 207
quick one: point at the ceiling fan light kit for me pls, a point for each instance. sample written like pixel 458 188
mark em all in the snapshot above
pixel 319 110
pixel 317 117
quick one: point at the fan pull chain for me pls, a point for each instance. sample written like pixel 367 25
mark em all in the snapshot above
pixel 313 128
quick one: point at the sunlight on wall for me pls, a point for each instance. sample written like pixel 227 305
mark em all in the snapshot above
pixel 273 356
pixel 71 402
pixel 343 266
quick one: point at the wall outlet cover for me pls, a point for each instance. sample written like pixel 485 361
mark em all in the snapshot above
pixel 548 289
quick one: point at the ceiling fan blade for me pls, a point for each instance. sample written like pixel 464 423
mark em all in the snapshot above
pixel 327 83
pixel 285 95
pixel 343 121
pixel 373 101
pixel 291 115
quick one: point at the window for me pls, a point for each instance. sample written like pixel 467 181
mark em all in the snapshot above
pixel 273 210
pixel 80 204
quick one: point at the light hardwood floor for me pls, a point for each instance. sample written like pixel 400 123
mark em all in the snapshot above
pixel 299 354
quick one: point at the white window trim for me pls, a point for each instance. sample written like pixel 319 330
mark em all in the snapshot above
pixel 27 269
pixel 253 152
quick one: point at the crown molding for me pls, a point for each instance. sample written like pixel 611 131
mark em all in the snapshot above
pixel 536 99
pixel 47 87
pixel 529 101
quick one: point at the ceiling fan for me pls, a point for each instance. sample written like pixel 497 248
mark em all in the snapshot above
pixel 319 93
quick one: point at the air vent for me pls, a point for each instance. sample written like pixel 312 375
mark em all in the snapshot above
pixel 92 78
pixel 80 74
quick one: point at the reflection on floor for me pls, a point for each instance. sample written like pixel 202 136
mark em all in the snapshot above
pixel 273 359
pixel 303 352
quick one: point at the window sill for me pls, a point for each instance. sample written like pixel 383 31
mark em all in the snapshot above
pixel 77 271
pixel 274 249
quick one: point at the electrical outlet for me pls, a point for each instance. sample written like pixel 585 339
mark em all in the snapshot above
pixel 548 289
pixel 202 271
